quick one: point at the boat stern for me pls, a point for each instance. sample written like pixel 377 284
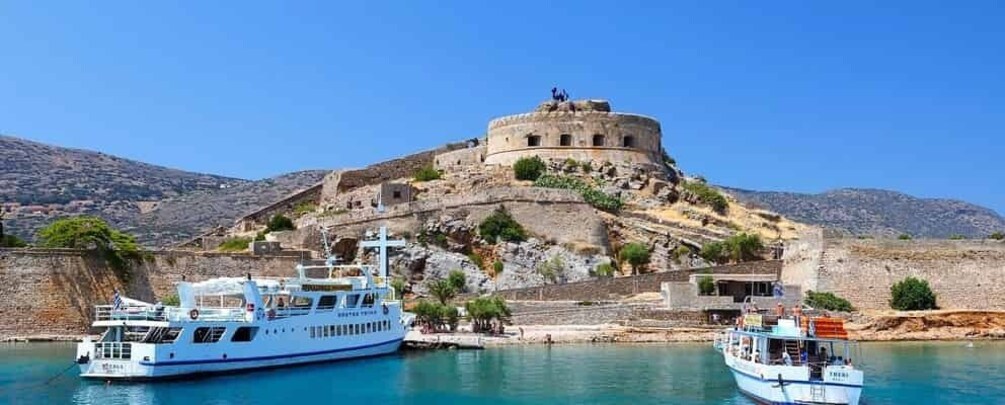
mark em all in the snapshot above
pixel 112 360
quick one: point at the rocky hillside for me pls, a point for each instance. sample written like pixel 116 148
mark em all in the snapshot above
pixel 40 182
pixel 879 212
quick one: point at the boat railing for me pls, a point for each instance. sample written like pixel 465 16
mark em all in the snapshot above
pixel 113 350
pixel 128 313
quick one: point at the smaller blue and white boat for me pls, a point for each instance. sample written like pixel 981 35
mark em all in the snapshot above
pixel 778 359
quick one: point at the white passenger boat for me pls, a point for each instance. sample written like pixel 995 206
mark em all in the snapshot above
pixel 229 324
pixel 792 360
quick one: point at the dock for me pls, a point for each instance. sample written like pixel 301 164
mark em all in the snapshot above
pixel 415 340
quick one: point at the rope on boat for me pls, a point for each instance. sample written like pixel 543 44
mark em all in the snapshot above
pixel 53 378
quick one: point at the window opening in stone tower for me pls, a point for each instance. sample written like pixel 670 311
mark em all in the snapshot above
pixel 534 140
pixel 598 140
pixel 565 140
pixel 629 141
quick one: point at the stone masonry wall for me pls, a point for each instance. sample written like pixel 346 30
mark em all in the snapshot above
pixel 615 288
pixel 964 274
pixel 399 168
pixel 556 214
pixel 53 291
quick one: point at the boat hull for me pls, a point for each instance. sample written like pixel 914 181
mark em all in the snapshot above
pixel 770 391
pixel 146 370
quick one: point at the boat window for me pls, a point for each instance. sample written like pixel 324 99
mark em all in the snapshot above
pixel 327 302
pixel 301 302
pixel 244 334
pixel 208 334
pixel 368 301
pixel 351 300
pixel 369 327
pixel 327 331
pixel 356 327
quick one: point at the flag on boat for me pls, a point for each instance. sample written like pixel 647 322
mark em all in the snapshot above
pixel 116 301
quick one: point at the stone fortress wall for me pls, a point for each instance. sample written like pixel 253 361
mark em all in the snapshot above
pixel 53 291
pixel 582 130
pixel 964 274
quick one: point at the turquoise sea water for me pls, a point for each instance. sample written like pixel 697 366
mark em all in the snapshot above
pixel 901 373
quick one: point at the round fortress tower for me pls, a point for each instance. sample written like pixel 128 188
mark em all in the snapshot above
pixel 584 130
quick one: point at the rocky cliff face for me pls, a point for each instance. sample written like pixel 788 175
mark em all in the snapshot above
pixel 880 212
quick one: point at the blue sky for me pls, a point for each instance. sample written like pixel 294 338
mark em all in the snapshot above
pixel 787 95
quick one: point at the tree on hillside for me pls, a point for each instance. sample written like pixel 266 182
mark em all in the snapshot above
pixel 442 291
pixel 457 280
pixel 91 233
pixel 997 236
pixel 501 226
pixel 636 254
pixel 483 310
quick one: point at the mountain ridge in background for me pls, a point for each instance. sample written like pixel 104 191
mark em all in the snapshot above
pixel 877 212
pixel 164 206
pixel 160 205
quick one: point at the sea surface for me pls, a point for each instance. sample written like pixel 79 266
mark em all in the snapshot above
pixel 896 373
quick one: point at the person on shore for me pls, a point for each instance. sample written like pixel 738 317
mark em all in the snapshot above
pixel 521 333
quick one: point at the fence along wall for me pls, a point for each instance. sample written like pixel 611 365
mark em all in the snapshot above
pixel 53 292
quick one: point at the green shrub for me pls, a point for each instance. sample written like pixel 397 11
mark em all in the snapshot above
pixel 905 236
pixel 234 245
pixel 529 168
pixel 605 270
pixel 304 207
pixel 501 226
pixel 279 223
pixel 477 259
pixel 592 196
pixel 457 280
pixel 552 270
pixel 706 286
pixel 260 236
pixel 636 254
pixel 587 166
pixel 997 236
pixel 398 284
pixel 11 241
pixel 828 301
pixel 714 252
pixel 744 247
pixel 912 294
pixel 956 236
pixel 435 315
pixel 171 300
pixel 681 252
pixel 497 267
pixel 427 173
pixel 119 249
pixel 707 195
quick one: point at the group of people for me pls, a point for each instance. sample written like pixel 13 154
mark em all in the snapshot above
pixel 559 95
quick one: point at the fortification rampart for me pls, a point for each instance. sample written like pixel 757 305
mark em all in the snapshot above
pixel 563 220
pixel 964 274
pixel 615 288
pixel 53 291
pixel 394 169
pixel 261 217
pixel 580 135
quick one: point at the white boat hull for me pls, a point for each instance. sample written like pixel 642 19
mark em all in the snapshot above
pixel 126 369
pixel 795 392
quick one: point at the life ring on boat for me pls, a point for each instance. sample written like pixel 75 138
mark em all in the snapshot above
pixel 384 306
pixel 194 314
